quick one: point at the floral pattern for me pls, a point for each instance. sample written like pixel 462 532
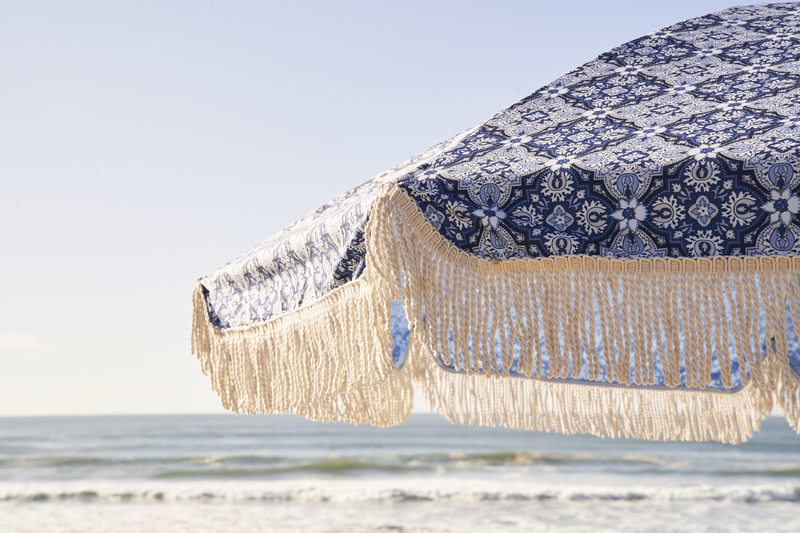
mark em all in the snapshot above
pixel 321 251
pixel 682 143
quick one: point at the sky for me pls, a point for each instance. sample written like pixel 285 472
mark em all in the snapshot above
pixel 145 144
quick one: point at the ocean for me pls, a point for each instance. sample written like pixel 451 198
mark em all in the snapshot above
pixel 279 473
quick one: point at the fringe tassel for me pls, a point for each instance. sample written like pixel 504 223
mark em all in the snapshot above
pixel 332 359
pixel 649 311
pixel 601 410
pixel 384 404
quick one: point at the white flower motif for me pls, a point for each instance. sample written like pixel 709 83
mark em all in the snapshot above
pixel 709 52
pixel 783 206
pixel 596 113
pixel 782 35
pixel 731 106
pixel 553 91
pixel 516 141
pixel 630 214
pixel 732 23
pixel 704 150
pixel 560 162
pixel 681 89
pixel 792 122
pixel 628 69
pixel 490 215
pixel 753 68
pixel 650 132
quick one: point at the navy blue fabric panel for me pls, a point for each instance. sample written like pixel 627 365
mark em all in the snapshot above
pixel 683 143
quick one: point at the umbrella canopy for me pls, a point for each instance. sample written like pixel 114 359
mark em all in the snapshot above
pixel 616 254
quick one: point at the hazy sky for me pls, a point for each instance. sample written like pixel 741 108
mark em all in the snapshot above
pixel 144 144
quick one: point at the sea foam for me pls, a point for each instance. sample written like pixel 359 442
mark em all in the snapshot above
pixel 423 489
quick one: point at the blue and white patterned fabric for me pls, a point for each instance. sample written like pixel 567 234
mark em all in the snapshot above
pixel 401 335
pixel 303 262
pixel 681 144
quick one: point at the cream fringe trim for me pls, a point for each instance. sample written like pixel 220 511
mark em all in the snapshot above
pixel 311 361
pixel 644 307
pixel 330 361
pixel 535 404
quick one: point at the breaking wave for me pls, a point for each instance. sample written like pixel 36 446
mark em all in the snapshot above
pixel 429 489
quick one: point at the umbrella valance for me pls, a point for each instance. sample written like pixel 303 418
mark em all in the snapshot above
pixel 616 254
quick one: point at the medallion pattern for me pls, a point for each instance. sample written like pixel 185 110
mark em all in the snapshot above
pixel 680 144
pixel 683 143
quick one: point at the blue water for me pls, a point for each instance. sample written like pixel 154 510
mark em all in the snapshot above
pixel 282 473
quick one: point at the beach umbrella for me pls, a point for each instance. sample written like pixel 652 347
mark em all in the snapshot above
pixel 616 254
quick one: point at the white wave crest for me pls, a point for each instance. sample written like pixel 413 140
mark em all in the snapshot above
pixel 391 490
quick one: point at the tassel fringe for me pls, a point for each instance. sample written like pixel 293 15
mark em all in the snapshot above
pixel 332 359
pixel 603 411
